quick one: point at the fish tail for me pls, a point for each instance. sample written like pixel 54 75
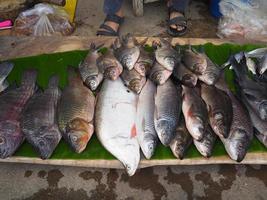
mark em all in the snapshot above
pixel 5 69
pixel 29 78
pixel 53 82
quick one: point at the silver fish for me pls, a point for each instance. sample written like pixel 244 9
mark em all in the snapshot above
pixel 5 69
pixel 206 144
pixel 262 67
pixel 182 140
pixel 158 74
pixel 166 55
pixel 12 103
pixel 144 62
pixel 146 133
pixel 115 123
pixel 76 113
pixel 126 51
pixel 195 113
pixel 184 75
pixel 133 80
pixel 39 123
pixel 167 111
pixel 89 71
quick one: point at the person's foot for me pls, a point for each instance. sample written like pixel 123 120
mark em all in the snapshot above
pixel 174 26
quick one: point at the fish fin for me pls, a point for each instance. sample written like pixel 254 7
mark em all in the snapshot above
pixel 133 131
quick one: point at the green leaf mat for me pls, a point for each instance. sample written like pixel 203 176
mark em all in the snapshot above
pixel 49 64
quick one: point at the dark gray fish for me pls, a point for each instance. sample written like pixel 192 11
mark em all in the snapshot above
pixel 219 107
pixel 12 103
pixel 184 75
pixel 195 113
pixel 166 55
pixel 206 144
pixel 253 92
pixel 109 65
pixel 76 113
pixel 182 140
pixel 144 62
pixel 195 61
pixel 5 69
pixel 167 111
pixel 89 71
pixel 126 51
pixel 211 73
pixel 158 74
pixel 39 123
pixel 133 80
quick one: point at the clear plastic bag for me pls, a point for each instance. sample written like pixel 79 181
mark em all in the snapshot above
pixel 43 20
pixel 243 18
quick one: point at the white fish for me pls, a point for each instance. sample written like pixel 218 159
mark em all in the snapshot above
pixel 115 123
pixel 146 133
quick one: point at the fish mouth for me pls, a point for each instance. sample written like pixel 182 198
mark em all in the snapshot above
pixel 165 130
pixel 136 85
pixel 92 83
pixel 149 149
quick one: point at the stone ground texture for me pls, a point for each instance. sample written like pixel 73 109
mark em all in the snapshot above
pixel 30 182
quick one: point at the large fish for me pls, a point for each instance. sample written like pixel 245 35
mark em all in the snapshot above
pixel 206 144
pixel 182 140
pixel 39 123
pixel 253 92
pixel 144 62
pixel 89 71
pixel 220 110
pixel 195 113
pixel 5 69
pixel 166 55
pixel 109 65
pixel 126 51
pixel 184 75
pixel 158 74
pixel 133 80
pixel 146 133
pixel 115 123
pixel 195 61
pixel 167 111
pixel 241 131
pixel 12 103
pixel 76 113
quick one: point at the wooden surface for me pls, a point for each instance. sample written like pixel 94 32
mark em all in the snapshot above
pixel 15 47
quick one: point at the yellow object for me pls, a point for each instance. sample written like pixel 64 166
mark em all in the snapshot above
pixel 70 7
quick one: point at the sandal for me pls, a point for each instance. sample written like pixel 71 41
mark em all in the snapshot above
pixel 107 30
pixel 178 21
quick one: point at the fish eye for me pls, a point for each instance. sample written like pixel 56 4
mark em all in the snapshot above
pixel 128 91
pixel 74 138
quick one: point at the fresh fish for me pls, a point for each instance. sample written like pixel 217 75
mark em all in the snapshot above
pixel 195 61
pixel 133 80
pixel 158 74
pixel 39 123
pixel 144 62
pixel 262 138
pixel 257 53
pixel 220 110
pixel 12 103
pixel 90 74
pixel 166 55
pixel 241 131
pixel 5 69
pixel 76 113
pixel 182 140
pixel 205 145
pixel 211 73
pixel 195 113
pixel 126 51
pixel 262 67
pixel 167 111
pixel 115 123
pixel 109 65
pixel 253 92
pixel 146 133
pixel 184 75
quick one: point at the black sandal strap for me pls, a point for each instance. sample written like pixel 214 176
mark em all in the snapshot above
pixel 106 33
pixel 108 28
pixel 179 21
pixel 114 18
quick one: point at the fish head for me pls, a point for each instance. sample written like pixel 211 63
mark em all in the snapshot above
pixel 10 138
pixel 46 141
pixel 160 76
pixel 78 133
pixel 150 145
pixel 263 110
pixel 219 125
pixel 92 82
pixel 140 67
pixel 210 78
pixel 179 149
pixel 112 72
pixel 128 40
pixel 166 130
pixel 190 80
pixel 136 85
pixel 197 127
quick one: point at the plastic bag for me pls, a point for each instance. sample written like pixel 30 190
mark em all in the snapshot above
pixel 43 20
pixel 243 18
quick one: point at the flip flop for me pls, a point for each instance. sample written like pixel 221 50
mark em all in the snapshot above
pixel 107 30
pixel 178 21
